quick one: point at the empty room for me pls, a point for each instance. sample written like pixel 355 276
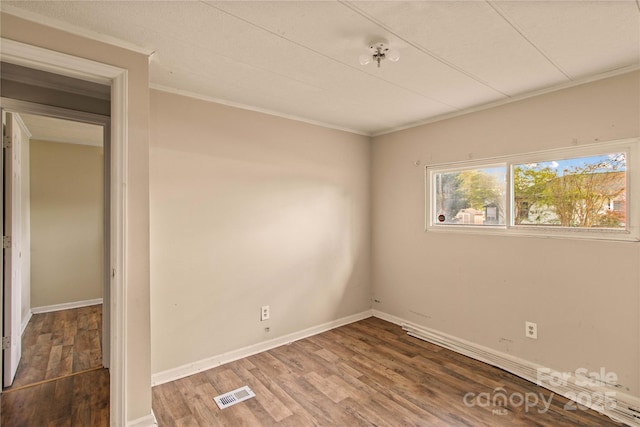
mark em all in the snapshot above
pixel 332 213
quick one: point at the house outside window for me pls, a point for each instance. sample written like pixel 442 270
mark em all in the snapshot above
pixel 572 192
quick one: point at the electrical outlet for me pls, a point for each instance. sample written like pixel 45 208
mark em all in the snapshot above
pixel 264 313
pixel 531 330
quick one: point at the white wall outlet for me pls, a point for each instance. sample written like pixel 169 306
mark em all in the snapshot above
pixel 531 330
pixel 264 313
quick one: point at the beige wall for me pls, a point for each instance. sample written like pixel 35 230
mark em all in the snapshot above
pixel 249 210
pixel 584 295
pixel 137 358
pixel 67 243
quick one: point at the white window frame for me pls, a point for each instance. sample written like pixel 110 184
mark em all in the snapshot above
pixel 629 146
pixel 459 167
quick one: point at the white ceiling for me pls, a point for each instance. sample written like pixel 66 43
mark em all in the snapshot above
pixel 300 58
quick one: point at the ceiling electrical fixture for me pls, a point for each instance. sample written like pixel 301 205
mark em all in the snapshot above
pixel 379 50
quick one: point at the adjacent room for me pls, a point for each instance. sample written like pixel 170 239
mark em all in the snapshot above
pixel 332 213
pixel 58 213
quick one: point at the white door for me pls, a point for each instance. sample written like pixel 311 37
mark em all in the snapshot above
pixel 12 272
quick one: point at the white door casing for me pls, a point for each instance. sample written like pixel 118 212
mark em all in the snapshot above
pixel 60 63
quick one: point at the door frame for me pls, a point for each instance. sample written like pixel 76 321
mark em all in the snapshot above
pixel 71 66
pixel 18 107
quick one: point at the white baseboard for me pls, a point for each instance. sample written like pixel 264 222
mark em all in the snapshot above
pixel 146 421
pixel 25 321
pixel 610 401
pixel 65 306
pixel 221 359
pixel 388 317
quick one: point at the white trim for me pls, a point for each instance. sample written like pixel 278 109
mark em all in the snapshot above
pixel 25 321
pixel 22 125
pixel 74 29
pixel 388 317
pixel 146 421
pixel 68 65
pixel 26 130
pixel 214 361
pixel 529 371
pixel 52 111
pixel 118 224
pixel 516 98
pixel 58 63
pixel 84 143
pixel 65 306
pixel 241 106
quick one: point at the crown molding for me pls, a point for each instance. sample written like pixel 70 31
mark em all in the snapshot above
pixel 74 29
pixel 241 106
pixel 516 98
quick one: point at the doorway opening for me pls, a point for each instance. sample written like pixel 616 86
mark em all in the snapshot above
pixel 116 80
pixel 60 242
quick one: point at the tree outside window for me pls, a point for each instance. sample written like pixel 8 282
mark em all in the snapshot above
pixel 471 196
pixel 586 192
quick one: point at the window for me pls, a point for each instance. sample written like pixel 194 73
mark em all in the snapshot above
pixel 586 192
pixel 580 192
pixel 471 196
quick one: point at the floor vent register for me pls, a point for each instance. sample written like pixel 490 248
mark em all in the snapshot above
pixel 236 396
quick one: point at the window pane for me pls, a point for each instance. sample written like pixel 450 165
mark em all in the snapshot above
pixel 584 192
pixel 470 197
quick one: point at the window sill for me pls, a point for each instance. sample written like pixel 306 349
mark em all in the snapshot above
pixel 539 232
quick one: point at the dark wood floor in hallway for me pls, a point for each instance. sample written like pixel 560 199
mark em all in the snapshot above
pixel 77 400
pixel 60 343
pixel 369 373
pixel 60 379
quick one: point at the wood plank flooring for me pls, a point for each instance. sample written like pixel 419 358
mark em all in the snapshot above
pixel 368 373
pixel 60 343
pixel 60 380
pixel 77 400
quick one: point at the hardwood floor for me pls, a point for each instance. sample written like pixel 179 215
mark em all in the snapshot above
pixel 60 379
pixel 60 343
pixel 76 400
pixel 368 373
